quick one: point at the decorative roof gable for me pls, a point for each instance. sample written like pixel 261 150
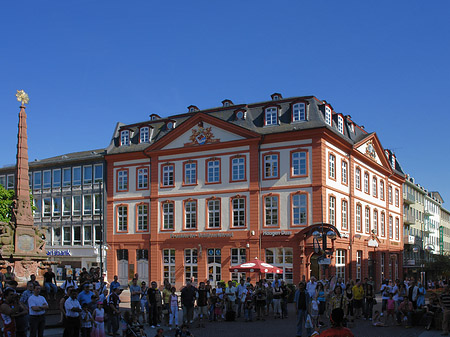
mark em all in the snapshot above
pixel 371 148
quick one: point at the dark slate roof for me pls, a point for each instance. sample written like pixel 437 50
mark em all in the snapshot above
pixel 254 121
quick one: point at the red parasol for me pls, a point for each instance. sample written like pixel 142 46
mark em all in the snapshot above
pixel 256 266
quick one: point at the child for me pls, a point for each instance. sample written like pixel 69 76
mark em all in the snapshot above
pixel 86 321
pixel 160 332
pixel 390 309
pixel 173 301
pixel 125 321
pixel 248 305
pixel 137 327
pixel 376 319
pixel 218 309
pixel 315 312
pixel 183 332
pixel 99 317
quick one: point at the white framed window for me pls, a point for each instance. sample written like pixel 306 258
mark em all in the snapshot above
pixel 142 174
pixel 168 175
pixel 397 197
pixel 375 222
pixel 340 263
pixel 76 205
pixel 56 178
pixel 67 177
pixel 332 166
pixel 56 236
pixel 328 115
pixel 122 218
pixel 168 215
pixel 271 116
pixel 122 180
pixel 358 178
pixel 271 210
pixel 381 189
pixel 238 256
pixel 397 229
pixel 214 213
pixel 37 202
pixel 3 181
pixel 67 205
pixel 169 265
pixel 125 137
pixel 190 214
pixel 359 254
pixel 76 176
pixel 344 219
pixel 47 207
pixel 382 224
pixel 97 204
pixel 281 257
pixel 367 219
pixel 238 169
pixel 98 173
pixel 190 173
pixel 47 179
pixel 390 194
pixel 56 206
pixel 87 235
pixel 190 265
pixel 271 166
pixel 340 124
pixel 299 211
pixel 144 134
pixel 366 182
pixel 391 232
pixel 332 210
pixel 299 112
pixel 67 236
pixel 98 234
pixel 358 218
pixel 36 180
pixel 142 217
pixel 344 172
pixel 213 167
pixel 374 186
pixel 87 175
pixel 10 181
pixel 87 204
pixel 76 235
pixel 238 205
pixel 299 163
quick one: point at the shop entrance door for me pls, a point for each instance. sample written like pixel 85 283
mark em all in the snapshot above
pixel 371 264
pixel 123 271
pixel 214 265
pixel 142 269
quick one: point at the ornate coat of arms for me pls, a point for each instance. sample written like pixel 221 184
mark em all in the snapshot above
pixel 370 150
pixel 202 136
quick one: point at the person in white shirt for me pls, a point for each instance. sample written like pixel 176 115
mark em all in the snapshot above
pixel 241 291
pixel 37 306
pixel 311 287
pixel 68 283
pixel 73 309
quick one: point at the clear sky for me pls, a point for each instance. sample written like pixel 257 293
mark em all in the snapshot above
pixel 87 65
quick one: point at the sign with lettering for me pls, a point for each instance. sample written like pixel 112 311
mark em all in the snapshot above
pixel 280 233
pixel 201 235
pixel 57 252
pixel 324 260
pixel 372 243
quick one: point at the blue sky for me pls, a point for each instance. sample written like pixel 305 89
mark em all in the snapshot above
pixel 88 64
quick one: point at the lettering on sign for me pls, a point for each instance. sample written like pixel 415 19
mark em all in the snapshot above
pixel 281 233
pixel 56 252
pixel 201 235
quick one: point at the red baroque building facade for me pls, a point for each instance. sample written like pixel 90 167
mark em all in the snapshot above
pixel 193 194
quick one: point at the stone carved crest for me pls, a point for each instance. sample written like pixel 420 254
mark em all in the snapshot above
pixel 370 150
pixel 201 136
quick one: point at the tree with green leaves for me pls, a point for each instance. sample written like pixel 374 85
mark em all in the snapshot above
pixel 6 202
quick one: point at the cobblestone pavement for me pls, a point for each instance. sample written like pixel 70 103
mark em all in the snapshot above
pixel 279 327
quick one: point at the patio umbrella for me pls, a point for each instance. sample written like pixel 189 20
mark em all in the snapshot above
pixel 256 266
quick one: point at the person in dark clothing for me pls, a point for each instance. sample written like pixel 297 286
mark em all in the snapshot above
pixel 202 304
pixel 368 296
pixel 50 283
pixel 302 301
pixel 188 295
pixel 152 302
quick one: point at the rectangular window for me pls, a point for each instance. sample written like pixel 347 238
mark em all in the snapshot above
pixel 281 257
pixel 144 135
pixel 238 168
pixel 358 263
pixel 122 218
pixel 298 112
pixel 190 213
pixel 67 176
pixel 98 234
pixel 397 197
pixel 76 176
pixel 271 210
pixel 366 182
pixel 77 235
pixel 87 175
pixel 168 175
pixel 67 236
pixel 344 215
pixel 340 263
pixel 358 218
pixel 38 204
pixel 57 236
pixel 375 222
pixel 391 233
pixel 87 204
pixel 238 205
pixel 87 235
pixel 98 173
pixel 47 207
pixel 30 180
pixel 76 204
pixel 67 205
pixel 340 125
pixel 271 115
pixel 367 219
pixel 122 180
pixel 374 187
pixel 125 137
pixel 299 211
pixel 168 215
pixel 169 265
pixel 10 181
pixel 3 181
pixel 97 204
pixel 382 224
pixel 238 256
pixel 142 174
pixel 381 189
pixel 214 213
pixel 397 228
pixel 47 179
pixel 37 180
pixel 190 265
pixel 344 172
pixel 271 166
pixel 332 210
pixel 213 167
pixel 190 173
pixel 57 206
pixel 358 179
pixel 57 178
pixel 328 115
pixel 390 194
pixel 142 217
pixel 299 163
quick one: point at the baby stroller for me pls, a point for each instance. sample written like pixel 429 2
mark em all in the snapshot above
pixel 135 330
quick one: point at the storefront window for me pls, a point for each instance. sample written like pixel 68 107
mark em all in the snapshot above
pixel 190 265
pixel 238 256
pixel 281 257
pixel 169 265
pixel 340 263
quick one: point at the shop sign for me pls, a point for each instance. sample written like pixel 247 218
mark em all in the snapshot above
pixel 281 233
pixel 57 252
pixel 324 260
pixel 411 239
pixel 372 243
pixel 201 235
pixel 411 262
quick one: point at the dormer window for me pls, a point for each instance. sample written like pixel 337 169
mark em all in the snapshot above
pixel 328 115
pixel 393 161
pixel 154 117
pixel 240 115
pixel 170 125
pixel 299 112
pixel 144 134
pixel 192 108
pixel 352 127
pixel 340 124
pixel 227 103
pixel 271 116
pixel 125 137
pixel 276 96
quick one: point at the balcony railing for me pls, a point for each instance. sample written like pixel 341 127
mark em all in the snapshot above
pixel 408 219
pixel 408 198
